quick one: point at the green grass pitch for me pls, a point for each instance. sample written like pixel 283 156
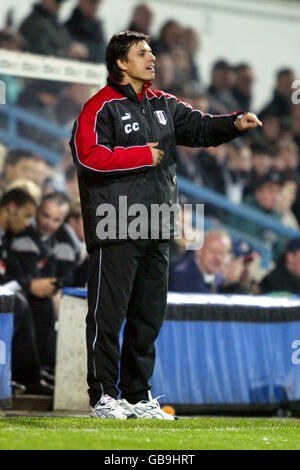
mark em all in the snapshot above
pixel 185 434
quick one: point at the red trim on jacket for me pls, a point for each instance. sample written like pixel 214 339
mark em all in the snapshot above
pixel 95 155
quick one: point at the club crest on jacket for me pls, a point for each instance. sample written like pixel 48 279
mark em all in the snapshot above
pixel 161 117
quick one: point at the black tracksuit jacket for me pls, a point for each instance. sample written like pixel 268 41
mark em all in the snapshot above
pixel 31 257
pixel 109 147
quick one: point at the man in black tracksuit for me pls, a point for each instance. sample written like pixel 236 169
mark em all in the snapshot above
pixel 124 144
pixel 32 262
pixel 17 208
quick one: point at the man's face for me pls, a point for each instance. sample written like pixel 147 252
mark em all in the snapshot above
pixel 262 163
pixel 24 168
pixel 19 217
pixel 89 7
pixel 51 5
pixel 50 216
pixel 268 196
pixel 142 17
pixel 40 172
pixel 27 168
pixel 214 253
pixel 284 85
pixel 139 65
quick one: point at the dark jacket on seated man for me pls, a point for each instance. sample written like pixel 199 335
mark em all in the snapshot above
pixel 71 267
pixel 185 276
pixel 280 280
pixel 286 276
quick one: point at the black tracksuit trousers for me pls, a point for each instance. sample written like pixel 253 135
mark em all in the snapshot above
pixel 127 279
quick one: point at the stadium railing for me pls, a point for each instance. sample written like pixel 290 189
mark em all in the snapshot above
pixel 207 195
pixel 9 134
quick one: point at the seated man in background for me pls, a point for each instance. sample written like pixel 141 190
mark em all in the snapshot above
pixel 32 263
pixel 17 208
pixel 286 276
pixel 70 252
pixel 200 270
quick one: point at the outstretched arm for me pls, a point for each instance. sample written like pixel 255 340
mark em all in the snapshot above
pixel 196 129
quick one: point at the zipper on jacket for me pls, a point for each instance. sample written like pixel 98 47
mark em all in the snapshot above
pixel 156 139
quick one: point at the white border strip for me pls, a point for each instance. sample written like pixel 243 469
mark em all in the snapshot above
pixel 22 64
pixel 233 300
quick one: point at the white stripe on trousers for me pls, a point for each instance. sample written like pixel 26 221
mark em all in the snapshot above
pixel 95 318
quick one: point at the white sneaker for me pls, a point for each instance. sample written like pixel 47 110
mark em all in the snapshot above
pixel 147 409
pixel 109 408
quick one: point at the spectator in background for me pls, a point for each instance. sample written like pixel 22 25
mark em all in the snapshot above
pixel 281 104
pixel 196 98
pixel 70 253
pixel 32 263
pixel 200 270
pixel 287 199
pixel 192 46
pixel 242 90
pixel 71 101
pixel 240 271
pixel 220 94
pixel 261 165
pixel 182 68
pixel 165 75
pixel 41 98
pixel 21 164
pixel 14 85
pixel 17 208
pixel 171 36
pixel 237 170
pixel 43 32
pixel 141 19
pixel 188 164
pixel 84 26
pixel 270 132
pixel 27 185
pixel 287 157
pixel 286 276
pixel 266 199
pixel 212 161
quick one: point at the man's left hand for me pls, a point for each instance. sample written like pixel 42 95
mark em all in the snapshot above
pixel 247 121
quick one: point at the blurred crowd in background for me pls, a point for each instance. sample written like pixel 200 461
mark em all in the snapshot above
pixel 260 170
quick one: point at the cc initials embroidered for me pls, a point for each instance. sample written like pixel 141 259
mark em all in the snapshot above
pixel 131 127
